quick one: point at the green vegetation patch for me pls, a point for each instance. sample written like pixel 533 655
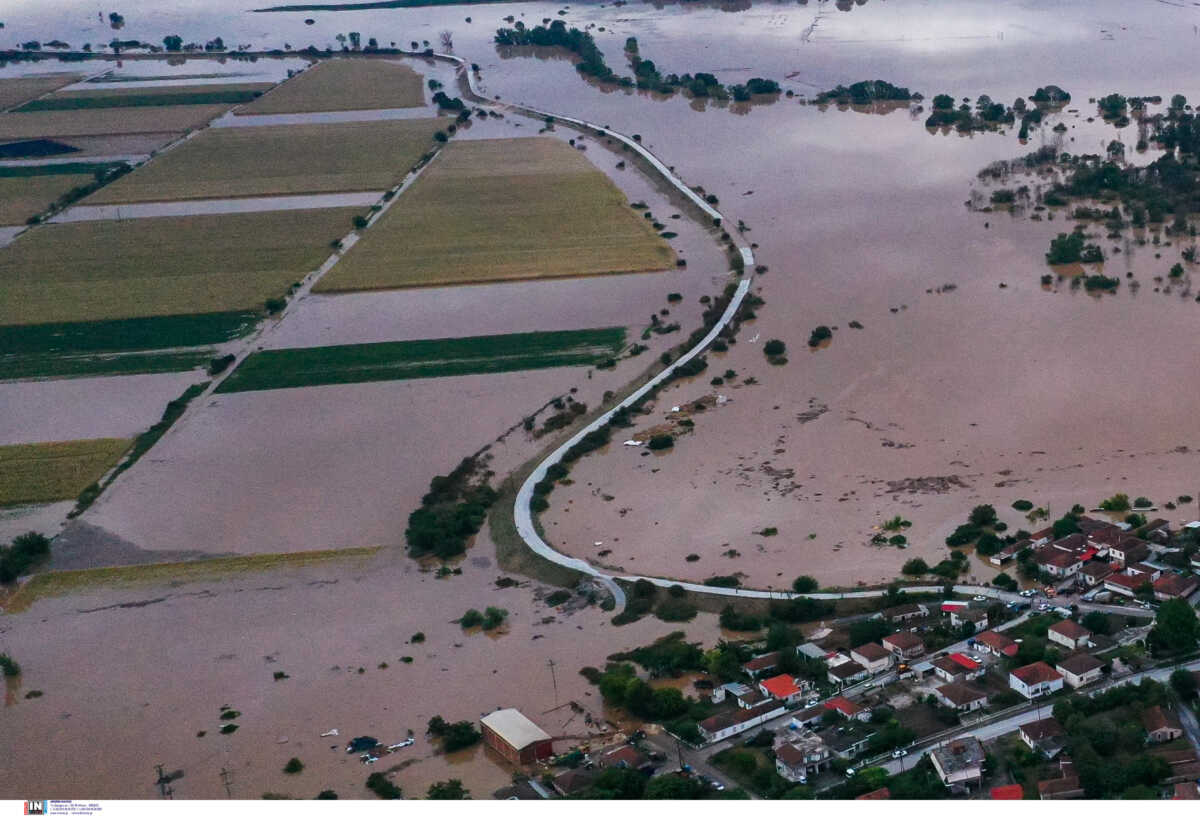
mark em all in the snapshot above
pixel 52 471
pixel 373 362
pixel 38 366
pixel 148 100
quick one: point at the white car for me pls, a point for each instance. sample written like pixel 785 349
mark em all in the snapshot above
pixel 899 752
pixel 979 598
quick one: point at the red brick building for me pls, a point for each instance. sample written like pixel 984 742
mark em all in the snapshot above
pixel 515 737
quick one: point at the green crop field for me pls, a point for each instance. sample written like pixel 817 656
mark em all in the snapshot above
pixel 230 162
pixel 45 366
pixel 502 209
pixel 371 362
pixel 53 471
pixel 146 98
pixel 143 267
pixel 344 84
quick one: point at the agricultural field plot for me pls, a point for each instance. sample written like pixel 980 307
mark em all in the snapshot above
pixel 344 84
pixel 107 121
pixel 104 270
pixel 502 209
pixel 232 94
pixel 50 471
pixel 109 347
pixel 233 162
pixel 372 362
pixel 15 91
pixel 22 197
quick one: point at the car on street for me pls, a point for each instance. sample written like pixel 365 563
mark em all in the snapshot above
pixel 979 598
pixel 717 786
pixel 850 773
pixel 899 752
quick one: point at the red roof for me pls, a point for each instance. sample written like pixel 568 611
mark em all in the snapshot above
pixel 964 661
pixel 781 686
pixel 954 606
pixel 1176 585
pixel 846 708
pixel 1070 629
pixel 1008 792
pixel 767 661
pixel 1034 673
pixel 998 642
pixel 904 640
pixel 1128 581
pixel 882 793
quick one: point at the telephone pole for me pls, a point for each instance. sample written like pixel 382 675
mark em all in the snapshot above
pixel 163 782
pixel 227 781
pixel 554 681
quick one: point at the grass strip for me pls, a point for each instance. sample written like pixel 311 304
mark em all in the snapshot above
pixel 100 365
pixel 48 584
pixel 126 334
pixel 64 169
pixel 61 102
pixel 371 362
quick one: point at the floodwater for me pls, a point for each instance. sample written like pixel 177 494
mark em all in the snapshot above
pixel 86 407
pixel 215 206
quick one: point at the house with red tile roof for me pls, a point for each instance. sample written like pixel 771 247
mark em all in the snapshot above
pixel 957 666
pixel 1035 680
pixel 848 708
pixel 1162 725
pixel 875 795
pixel 1045 736
pixel 997 644
pixel 1172 585
pixel 904 645
pixel 761 664
pixel 1080 669
pixel 1126 585
pixel 872 657
pixel 1070 634
pixel 1127 549
pixel 781 687
pixel 961 696
pixel 1059 563
pixel 1007 793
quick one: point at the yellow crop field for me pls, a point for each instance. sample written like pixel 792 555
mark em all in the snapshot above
pixel 142 267
pixel 344 84
pixel 106 121
pixel 502 209
pixel 53 471
pixel 21 197
pixel 15 91
pixel 230 162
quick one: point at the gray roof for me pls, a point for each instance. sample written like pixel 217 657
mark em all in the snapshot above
pixel 811 650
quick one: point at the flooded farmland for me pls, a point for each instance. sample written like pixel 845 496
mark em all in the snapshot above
pixel 965 381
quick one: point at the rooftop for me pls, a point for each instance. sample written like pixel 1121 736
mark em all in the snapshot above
pixel 871 651
pixel 881 793
pixel 846 670
pixel 761 662
pixel 904 640
pixel 514 728
pixel 781 685
pixel 964 660
pixel 997 641
pixel 1079 664
pixel 1008 792
pixel 958 755
pixel 1034 673
pixel 1156 718
pixel 1052 787
pixel 735 716
pixel 1178 586
pixel 1096 569
pixel 1051 557
pixel 952 667
pixel 1128 581
pixel 1042 729
pixel 1070 629
pixel 904 609
pixel 848 708
pixel 961 693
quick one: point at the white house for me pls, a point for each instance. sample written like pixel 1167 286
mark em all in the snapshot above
pixel 1079 670
pixel 872 657
pixel 1070 634
pixel 1035 680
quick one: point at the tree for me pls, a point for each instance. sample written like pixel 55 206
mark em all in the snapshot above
pixel 450 789
pixel 1175 627
pixel 293 766
pixel 915 566
pixel 774 348
pixel 617 783
pixel 383 787
pixel 671 786
pixel 983 515
pixel 173 42
pixel 1117 503
pixel 1096 622
pixel 1184 683
pixel 866 631
pixel 804 584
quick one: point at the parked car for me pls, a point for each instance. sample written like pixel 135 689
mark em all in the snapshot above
pixel 850 773
pixel 899 752
pixel 979 598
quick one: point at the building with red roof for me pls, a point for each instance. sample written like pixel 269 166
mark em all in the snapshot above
pixel 1008 793
pixel 781 687
pixel 997 644
pixel 957 666
pixel 1035 680
pixel 1070 634
pixel 904 645
pixel 847 708
pixel 1175 586
pixel 881 793
pixel 1126 585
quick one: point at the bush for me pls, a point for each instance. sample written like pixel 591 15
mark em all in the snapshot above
pixel 774 348
pixel 472 617
pixel 383 787
pixel 1142 501
pixel 26 551
pixel 983 515
pixel 440 136
pixel 915 566
pixel 293 766
pixel 737 622
pixel 493 616
pixel 804 584
pixel 8 666
pixel 723 581
pixel 661 442
pixel 558 597
pixel 1005 582
pixel 419 637
pixel 360 222
pixel 819 335
pixel 1118 503
pixel 674 609
pixel 1022 505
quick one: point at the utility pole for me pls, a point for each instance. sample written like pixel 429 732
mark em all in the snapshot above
pixel 164 787
pixel 554 681
pixel 227 781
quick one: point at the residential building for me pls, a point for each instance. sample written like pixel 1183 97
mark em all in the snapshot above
pixel 1057 562
pixel 847 741
pixel 1009 552
pixel 848 672
pixel 1172 585
pixel 1162 725
pixel 1064 787
pixel 1044 736
pixel 1127 549
pixel 996 643
pixel 904 645
pixel 801 754
pixel 959 762
pixel 1126 585
pixel 872 657
pixel 1035 680
pixel 624 756
pixel 1144 570
pixel 962 614
pixel 961 696
pixel 735 721
pixel 763 664
pixel 782 687
pixel 957 666
pixel 1094 572
pixel 745 696
pixel 1080 669
pixel 875 795
pixel 515 737
pixel 1189 790
pixel 848 709
pixel 904 612
pixel 1070 634
pixel 574 781
pixel 812 650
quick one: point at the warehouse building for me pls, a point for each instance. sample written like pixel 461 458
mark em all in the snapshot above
pixel 515 737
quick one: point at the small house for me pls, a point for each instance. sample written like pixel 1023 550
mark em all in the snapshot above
pixel 959 762
pixel 1080 669
pixel 961 696
pixel 1162 725
pixel 904 645
pixel 1070 634
pixel 1044 736
pixel 872 657
pixel 1035 680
